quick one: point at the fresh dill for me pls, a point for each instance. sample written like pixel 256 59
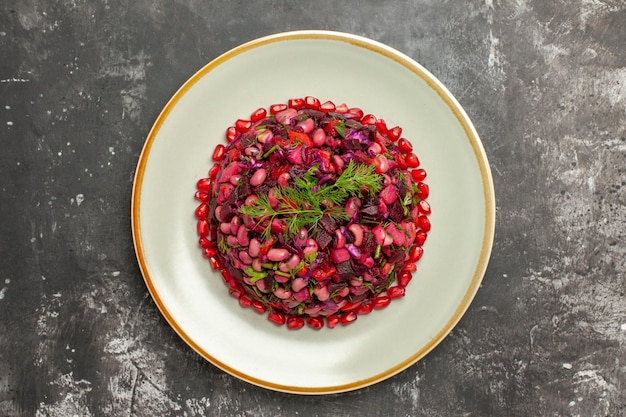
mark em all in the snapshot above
pixel 305 202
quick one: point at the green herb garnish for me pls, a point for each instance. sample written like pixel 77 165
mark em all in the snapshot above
pixel 340 128
pixel 304 203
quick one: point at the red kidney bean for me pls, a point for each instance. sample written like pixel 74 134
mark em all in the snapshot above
pixel 218 212
pixel 374 149
pixel 319 137
pixel 242 236
pixel 283 179
pixel 357 232
pixel 245 257
pixel 301 238
pixel 352 206
pixel 254 247
pixel 258 177
pixel 340 239
pixel 339 162
pixel 276 255
pixel 282 293
pixel 284 117
pixel 298 284
pixel 306 126
pixel 321 292
pixel 250 200
pixel 293 262
pixel 226 228
pixel 311 247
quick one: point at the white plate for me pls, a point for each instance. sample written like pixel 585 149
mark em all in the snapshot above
pixel 342 68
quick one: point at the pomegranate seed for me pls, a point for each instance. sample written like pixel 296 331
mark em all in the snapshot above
pixel 357 111
pixel 213 171
pixel 332 321
pixel 420 237
pixel 203 196
pixel 423 207
pixel 201 211
pixel 347 318
pixel 328 106
pixel 295 323
pixel 205 243
pixel 395 292
pixel 415 254
pixel 342 108
pixel 315 323
pixel 227 277
pixel 365 308
pixel 277 318
pixel 404 278
pixel 202 227
pixel 219 153
pixel 236 291
pixel 209 252
pixel 409 267
pixel 405 146
pixel 216 263
pixel 400 161
pixel 245 301
pixel 418 175
pixel 423 190
pixel 242 125
pixel 311 103
pixel 258 306
pixel 369 120
pixel 423 223
pixel 394 133
pixel 204 184
pixel 277 108
pixel 412 161
pixel 381 301
pixel 231 134
pixel 381 126
pixel 258 114
pixel 296 103
pixel 351 306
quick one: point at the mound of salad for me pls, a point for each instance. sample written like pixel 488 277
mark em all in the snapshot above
pixel 314 213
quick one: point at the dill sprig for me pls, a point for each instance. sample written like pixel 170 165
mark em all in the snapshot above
pixel 304 203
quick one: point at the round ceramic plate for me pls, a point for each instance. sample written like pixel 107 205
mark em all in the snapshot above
pixel 342 68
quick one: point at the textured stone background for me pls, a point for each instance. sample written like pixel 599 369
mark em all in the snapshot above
pixel 81 83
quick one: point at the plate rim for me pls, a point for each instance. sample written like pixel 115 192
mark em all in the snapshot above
pixel 470 133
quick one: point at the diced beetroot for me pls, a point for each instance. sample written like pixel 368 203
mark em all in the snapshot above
pixel 396 211
pixel 327 224
pixel 397 235
pixel 344 269
pixel 340 255
pixel 323 239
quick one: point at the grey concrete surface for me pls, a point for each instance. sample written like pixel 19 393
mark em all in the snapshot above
pixel 81 83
